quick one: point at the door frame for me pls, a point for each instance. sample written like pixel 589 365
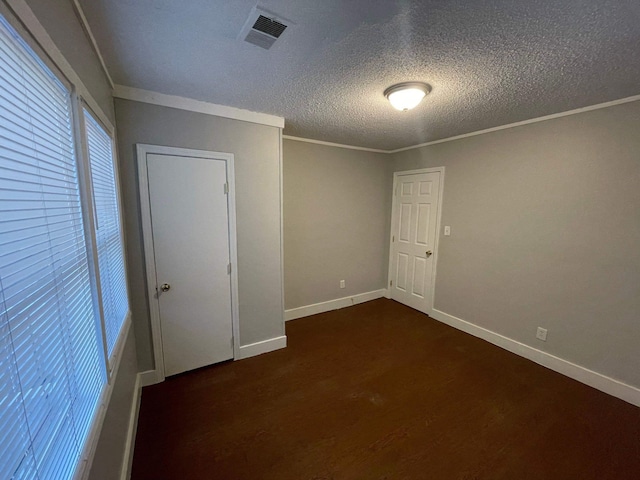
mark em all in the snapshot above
pixel 149 252
pixel 429 308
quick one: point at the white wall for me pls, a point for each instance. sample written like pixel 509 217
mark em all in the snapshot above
pixel 545 226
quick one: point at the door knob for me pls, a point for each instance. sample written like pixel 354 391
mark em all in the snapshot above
pixel 429 253
pixel 165 287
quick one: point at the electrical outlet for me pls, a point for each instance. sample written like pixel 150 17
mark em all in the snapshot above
pixel 447 231
pixel 342 284
pixel 541 334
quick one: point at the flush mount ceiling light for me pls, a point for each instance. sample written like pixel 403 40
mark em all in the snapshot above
pixel 405 96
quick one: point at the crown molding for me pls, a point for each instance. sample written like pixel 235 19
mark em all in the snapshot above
pixel 331 144
pixel 87 30
pixel 598 106
pixel 189 104
pixel 576 111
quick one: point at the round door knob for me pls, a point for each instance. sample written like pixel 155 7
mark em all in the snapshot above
pixel 429 253
pixel 165 287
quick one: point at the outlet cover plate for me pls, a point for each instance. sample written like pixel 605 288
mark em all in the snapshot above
pixel 541 334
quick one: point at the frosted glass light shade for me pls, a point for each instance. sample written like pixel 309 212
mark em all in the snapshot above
pixel 406 96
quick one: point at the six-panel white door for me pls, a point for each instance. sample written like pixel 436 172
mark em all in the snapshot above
pixel 190 222
pixel 414 233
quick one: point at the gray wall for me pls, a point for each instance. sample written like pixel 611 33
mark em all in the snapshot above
pixel 108 461
pixel 61 23
pixel 257 168
pixel 545 231
pixel 336 221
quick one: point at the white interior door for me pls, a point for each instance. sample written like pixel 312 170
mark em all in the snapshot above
pixel 413 239
pixel 190 225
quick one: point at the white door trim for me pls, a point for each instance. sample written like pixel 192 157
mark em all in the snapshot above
pixel 440 170
pixel 149 252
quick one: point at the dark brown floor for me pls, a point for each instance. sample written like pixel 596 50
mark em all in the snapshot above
pixel 380 391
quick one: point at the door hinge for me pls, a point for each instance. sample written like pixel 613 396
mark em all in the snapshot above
pixel 229 269
pixel 226 188
pixel 393 239
pixel 391 283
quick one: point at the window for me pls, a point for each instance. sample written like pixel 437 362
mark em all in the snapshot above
pixel 108 234
pixel 52 350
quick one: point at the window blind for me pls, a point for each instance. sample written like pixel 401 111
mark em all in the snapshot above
pixel 51 369
pixel 115 303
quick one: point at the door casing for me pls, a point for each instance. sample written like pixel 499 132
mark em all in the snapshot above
pixel 429 307
pixel 149 253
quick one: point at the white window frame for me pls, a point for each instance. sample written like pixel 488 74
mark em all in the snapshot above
pixel 20 16
pixel 79 104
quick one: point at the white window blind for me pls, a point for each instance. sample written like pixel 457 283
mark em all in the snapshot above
pixel 51 363
pixel 108 233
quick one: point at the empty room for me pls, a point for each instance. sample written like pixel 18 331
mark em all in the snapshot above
pixel 287 240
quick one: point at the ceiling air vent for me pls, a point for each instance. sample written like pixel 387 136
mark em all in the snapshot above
pixel 263 28
pixel 269 26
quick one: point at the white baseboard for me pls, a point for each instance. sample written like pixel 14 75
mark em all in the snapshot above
pixel 152 377
pixel 130 444
pixel 330 305
pixel 264 346
pixel 149 377
pixel 596 380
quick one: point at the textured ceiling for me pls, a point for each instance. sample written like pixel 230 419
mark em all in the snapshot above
pixel 490 62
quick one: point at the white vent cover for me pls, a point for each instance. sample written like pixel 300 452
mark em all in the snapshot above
pixel 263 27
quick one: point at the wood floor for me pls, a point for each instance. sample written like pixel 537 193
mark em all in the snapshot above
pixel 380 391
